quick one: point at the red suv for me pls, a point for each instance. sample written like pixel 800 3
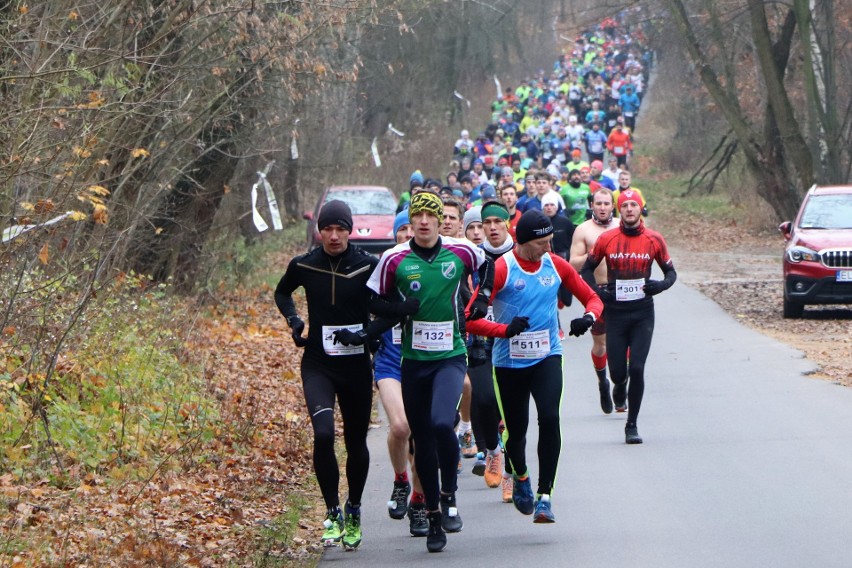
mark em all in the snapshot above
pixel 373 212
pixel 818 255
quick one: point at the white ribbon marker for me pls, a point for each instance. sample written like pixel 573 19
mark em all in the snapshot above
pixel 17 230
pixel 270 198
pixel 376 157
pixel 458 95
pixel 294 150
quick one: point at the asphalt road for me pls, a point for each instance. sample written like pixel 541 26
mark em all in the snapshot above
pixel 746 462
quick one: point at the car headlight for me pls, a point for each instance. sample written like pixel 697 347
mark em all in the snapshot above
pixel 799 254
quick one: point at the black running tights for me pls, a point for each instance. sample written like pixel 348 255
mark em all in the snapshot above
pixel 631 330
pixel 352 384
pixel 484 412
pixel 431 391
pixel 514 387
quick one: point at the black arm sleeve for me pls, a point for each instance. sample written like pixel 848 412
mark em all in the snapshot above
pixel 486 276
pixel 465 293
pixel 284 291
pixel 588 273
pixel 670 275
pixel 385 307
pixel 380 324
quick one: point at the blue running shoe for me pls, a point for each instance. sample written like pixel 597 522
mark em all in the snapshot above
pixel 543 513
pixel 522 496
pixel 467 444
pixel 479 464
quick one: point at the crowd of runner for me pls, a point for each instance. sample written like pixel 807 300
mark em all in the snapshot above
pixel 462 315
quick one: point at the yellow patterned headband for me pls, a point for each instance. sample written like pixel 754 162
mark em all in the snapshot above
pixel 428 203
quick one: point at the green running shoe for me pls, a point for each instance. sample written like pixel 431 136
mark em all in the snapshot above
pixel 352 534
pixel 333 529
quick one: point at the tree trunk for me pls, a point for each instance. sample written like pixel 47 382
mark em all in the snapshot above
pixel 785 118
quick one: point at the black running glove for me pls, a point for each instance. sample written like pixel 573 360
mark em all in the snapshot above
pixel 347 337
pixel 408 307
pixel 519 324
pixel 604 294
pixel 297 327
pixel 654 287
pixel 479 308
pixel 579 326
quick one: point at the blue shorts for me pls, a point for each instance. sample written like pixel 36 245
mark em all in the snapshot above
pixel 387 360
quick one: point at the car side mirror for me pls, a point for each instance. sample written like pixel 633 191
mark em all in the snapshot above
pixel 786 229
pixel 308 215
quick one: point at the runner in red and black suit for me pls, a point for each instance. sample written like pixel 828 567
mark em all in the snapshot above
pixel 629 252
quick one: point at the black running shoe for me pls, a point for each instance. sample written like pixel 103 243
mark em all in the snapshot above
pixel 606 400
pixel 436 540
pixel 451 521
pixel 418 520
pixel 619 397
pixel 631 435
pixel 398 504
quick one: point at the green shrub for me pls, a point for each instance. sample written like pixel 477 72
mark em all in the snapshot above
pixel 112 396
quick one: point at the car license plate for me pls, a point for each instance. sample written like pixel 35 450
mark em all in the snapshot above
pixel 844 276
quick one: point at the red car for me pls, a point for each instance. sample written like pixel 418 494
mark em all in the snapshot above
pixel 373 211
pixel 818 255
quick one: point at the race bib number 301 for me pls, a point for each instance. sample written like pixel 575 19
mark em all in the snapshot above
pixel 432 335
pixel 629 290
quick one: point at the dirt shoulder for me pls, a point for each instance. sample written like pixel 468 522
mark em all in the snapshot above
pixel 736 264
pixel 740 269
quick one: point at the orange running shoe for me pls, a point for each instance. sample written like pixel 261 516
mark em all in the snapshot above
pixel 508 485
pixel 493 469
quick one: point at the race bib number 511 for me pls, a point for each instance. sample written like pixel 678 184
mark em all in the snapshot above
pixel 530 345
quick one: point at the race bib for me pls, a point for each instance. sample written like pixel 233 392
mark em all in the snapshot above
pixel 396 333
pixel 530 345
pixel 629 290
pixel 596 147
pixel 328 340
pixel 628 114
pixel 489 316
pixel 432 335
pixel 618 150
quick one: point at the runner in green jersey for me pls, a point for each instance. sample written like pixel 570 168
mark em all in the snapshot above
pixel 421 279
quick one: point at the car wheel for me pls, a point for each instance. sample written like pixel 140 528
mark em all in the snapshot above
pixel 793 309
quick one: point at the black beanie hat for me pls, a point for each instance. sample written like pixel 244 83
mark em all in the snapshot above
pixel 335 212
pixel 533 224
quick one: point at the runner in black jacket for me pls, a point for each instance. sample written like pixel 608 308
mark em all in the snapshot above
pixel 334 278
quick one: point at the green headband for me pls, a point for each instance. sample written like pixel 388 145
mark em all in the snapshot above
pixel 493 209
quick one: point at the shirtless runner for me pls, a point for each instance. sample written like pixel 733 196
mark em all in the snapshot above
pixel 584 238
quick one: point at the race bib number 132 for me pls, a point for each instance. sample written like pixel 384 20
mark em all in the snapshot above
pixel 432 335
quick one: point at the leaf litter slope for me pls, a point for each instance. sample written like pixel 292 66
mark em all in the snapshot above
pixel 220 503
